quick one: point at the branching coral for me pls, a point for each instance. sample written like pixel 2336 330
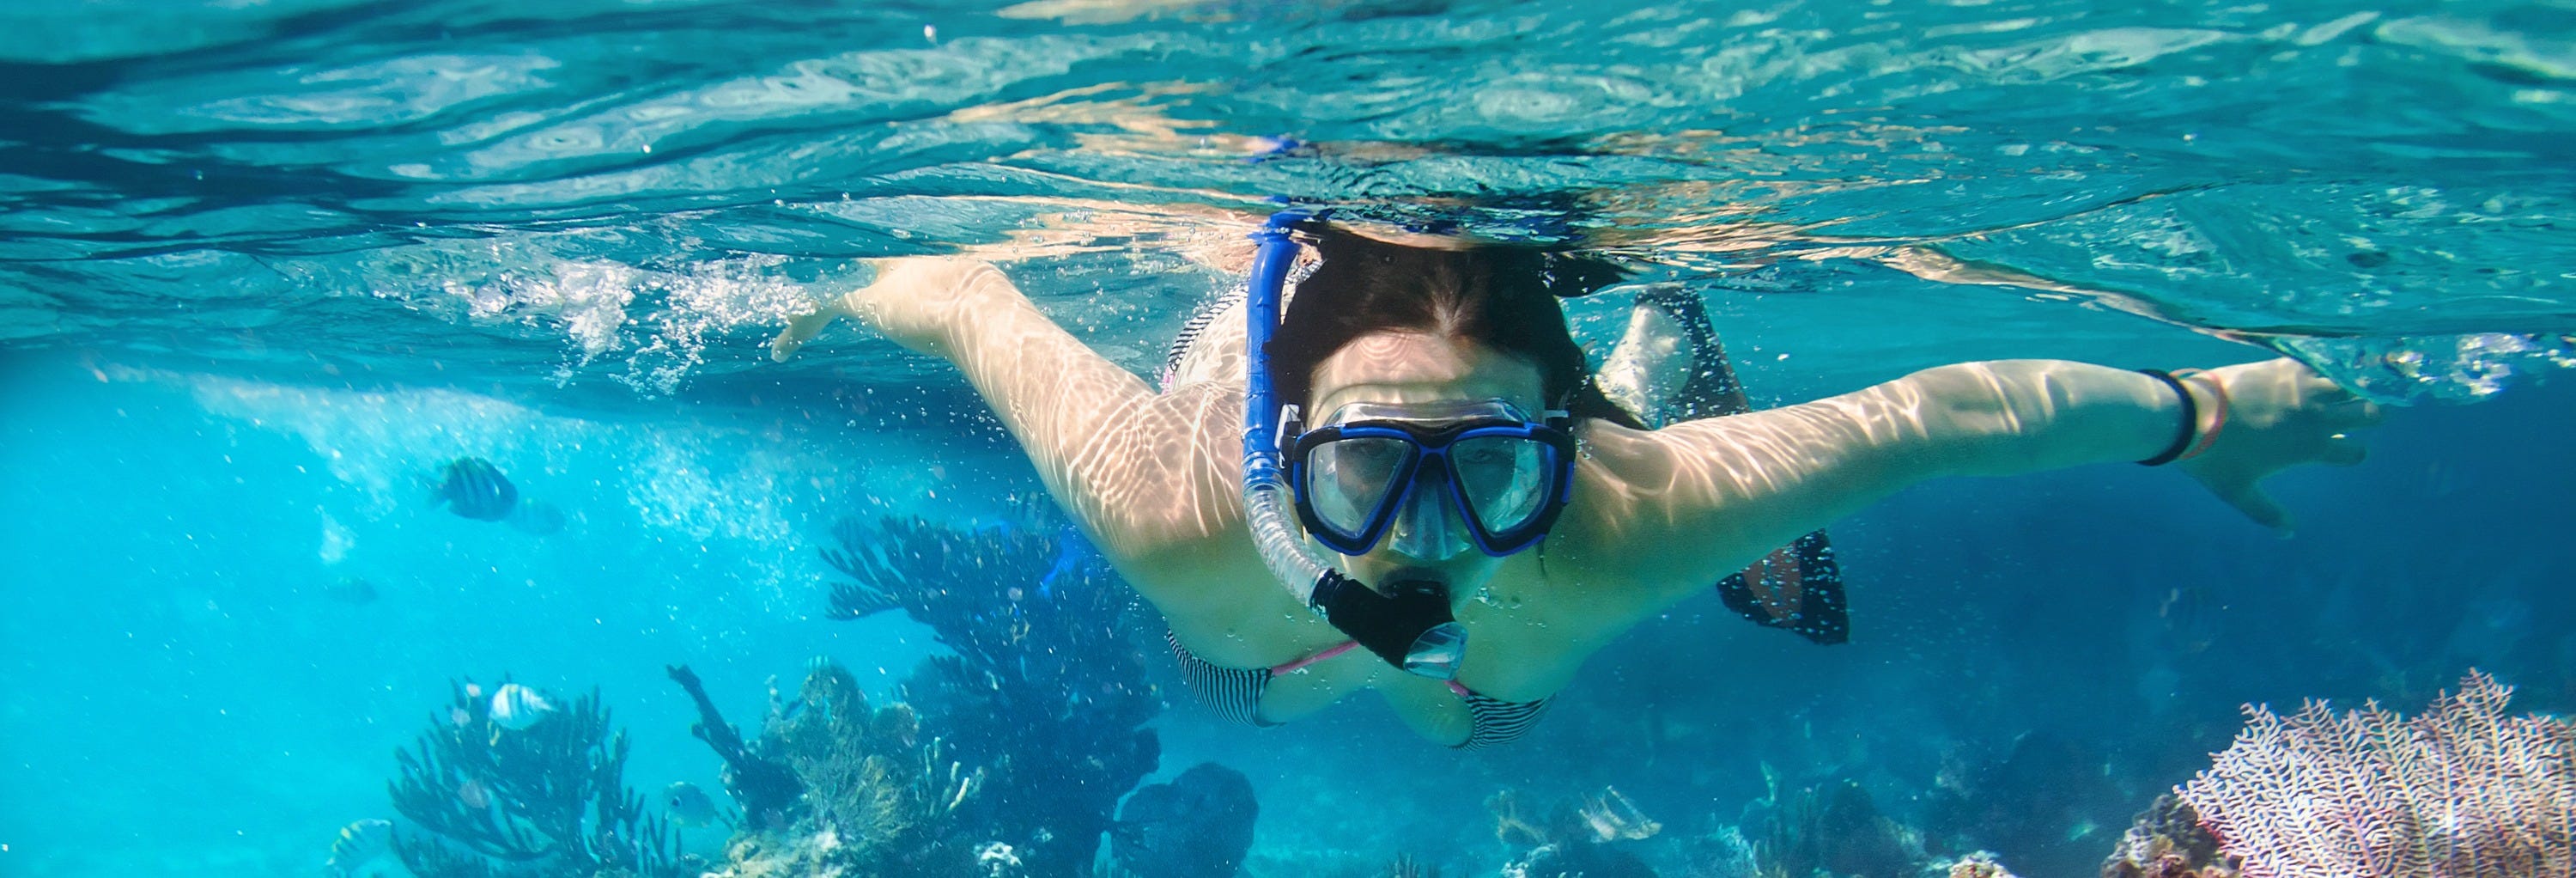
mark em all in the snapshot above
pixel 1512 827
pixel 2168 842
pixel 1045 691
pixel 870 773
pixel 764 787
pixel 1405 866
pixel 878 796
pixel 1977 865
pixel 1835 828
pixel 2460 791
pixel 1576 839
pixel 1612 817
pixel 546 800
pixel 1717 850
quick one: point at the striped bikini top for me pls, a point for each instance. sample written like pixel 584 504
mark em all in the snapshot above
pixel 1235 693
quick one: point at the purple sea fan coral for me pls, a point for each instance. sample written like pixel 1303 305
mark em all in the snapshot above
pixel 2461 791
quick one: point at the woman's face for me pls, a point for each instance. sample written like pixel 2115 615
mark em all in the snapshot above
pixel 1412 368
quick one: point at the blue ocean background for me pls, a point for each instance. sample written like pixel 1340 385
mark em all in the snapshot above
pixel 266 267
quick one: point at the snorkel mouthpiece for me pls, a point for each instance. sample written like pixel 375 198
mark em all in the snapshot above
pixel 1437 652
pixel 1409 624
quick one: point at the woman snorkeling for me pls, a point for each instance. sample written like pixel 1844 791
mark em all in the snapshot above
pixel 1410 481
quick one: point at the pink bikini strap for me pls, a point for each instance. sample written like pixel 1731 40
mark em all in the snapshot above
pixel 1346 646
pixel 1300 664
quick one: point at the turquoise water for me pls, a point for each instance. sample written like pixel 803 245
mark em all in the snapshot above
pixel 265 267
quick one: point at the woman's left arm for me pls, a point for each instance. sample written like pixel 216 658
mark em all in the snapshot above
pixel 1674 509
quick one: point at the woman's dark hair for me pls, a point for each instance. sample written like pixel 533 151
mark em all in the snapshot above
pixel 1501 296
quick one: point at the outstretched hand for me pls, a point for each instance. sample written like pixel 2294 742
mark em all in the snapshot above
pixel 913 301
pixel 2280 414
pixel 803 327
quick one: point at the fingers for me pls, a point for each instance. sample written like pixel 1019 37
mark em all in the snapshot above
pixel 2355 411
pixel 2320 385
pixel 2259 506
pixel 798 331
pixel 2343 408
pixel 785 345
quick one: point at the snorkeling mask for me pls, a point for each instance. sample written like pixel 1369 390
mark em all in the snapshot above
pixel 1371 466
pixel 1501 476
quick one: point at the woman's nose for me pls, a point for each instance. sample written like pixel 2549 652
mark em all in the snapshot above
pixel 1427 529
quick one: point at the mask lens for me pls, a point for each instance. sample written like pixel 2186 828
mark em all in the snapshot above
pixel 1348 479
pixel 1504 478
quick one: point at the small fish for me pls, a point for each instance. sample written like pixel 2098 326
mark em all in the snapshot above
pixel 365 849
pixel 2193 620
pixel 472 487
pixel 688 805
pixel 351 590
pixel 517 707
pixel 474 794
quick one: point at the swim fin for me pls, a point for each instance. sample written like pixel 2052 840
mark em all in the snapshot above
pixel 1670 368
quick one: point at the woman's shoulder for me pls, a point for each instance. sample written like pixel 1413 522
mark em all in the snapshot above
pixel 1210 346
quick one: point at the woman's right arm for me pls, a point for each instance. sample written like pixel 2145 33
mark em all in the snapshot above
pixel 1149 476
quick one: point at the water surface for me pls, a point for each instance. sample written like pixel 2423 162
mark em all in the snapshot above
pixel 265 265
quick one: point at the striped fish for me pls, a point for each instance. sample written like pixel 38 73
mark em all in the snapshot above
pixel 475 489
pixel 365 849
pixel 517 707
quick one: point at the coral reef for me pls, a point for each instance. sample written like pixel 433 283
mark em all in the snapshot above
pixel 1578 859
pixel 1405 866
pixel 2168 842
pixel 1612 817
pixel 1045 692
pixel 484 799
pixel 1574 839
pixel 1007 759
pixel 1198 825
pixel 1718 850
pixel 1976 865
pixel 2046 804
pixel 2462 790
pixel 765 788
pixel 869 772
pixel 878 797
pixel 1833 828
pixel 1321 859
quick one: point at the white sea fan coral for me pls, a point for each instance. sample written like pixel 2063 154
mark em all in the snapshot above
pixel 2460 792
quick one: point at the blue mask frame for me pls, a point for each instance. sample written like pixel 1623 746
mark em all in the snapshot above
pixel 1426 466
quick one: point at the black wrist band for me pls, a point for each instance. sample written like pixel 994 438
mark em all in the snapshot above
pixel 2190 419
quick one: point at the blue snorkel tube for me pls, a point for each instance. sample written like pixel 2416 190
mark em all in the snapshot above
pixel 1412 628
